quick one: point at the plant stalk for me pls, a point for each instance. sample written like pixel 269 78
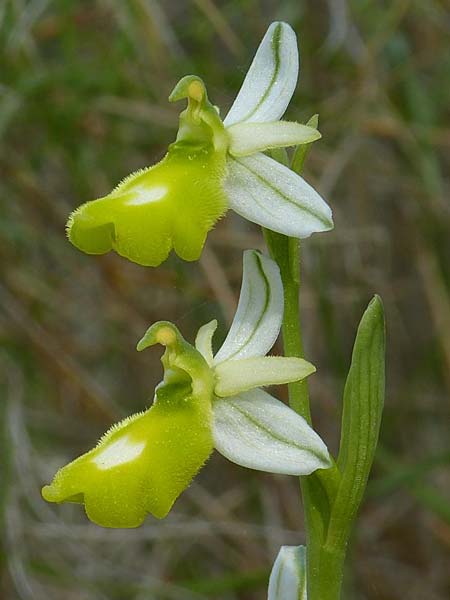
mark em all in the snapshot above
pixel 324 564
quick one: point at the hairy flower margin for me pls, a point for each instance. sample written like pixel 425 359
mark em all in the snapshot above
pixel 205 401
pixel 212 166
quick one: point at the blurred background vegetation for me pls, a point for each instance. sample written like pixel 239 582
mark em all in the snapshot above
pixel 83 102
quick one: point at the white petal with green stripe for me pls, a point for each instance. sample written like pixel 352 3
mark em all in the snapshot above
pixel 257 321
pixel 248 138
pixel 203 340
pixel 235 376
pixel 271 79
pixel 257 431
pixel 268 193
pixel 288 577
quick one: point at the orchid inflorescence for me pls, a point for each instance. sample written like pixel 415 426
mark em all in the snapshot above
pixel 209 400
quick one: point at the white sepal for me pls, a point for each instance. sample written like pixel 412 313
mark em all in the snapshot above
pixel 288 577
pixel 268 193
pixel 249 138
pixel 271 79
pixel 257 431
pixel 236 376
pixel 203 340
pixel 257 321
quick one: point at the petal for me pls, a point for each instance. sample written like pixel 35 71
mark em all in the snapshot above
pixel 288 577
pixel 257 431
pixel 170 205
pixel 203 340
pixel 248 138
pixel 257 321
pixel 271 79
pixel 268 193
pixel 142 464
pixel 235 376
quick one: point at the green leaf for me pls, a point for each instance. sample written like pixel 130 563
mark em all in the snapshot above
pixel 363 406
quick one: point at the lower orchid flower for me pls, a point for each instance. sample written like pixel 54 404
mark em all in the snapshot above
pixel 205 401
pixel 213 166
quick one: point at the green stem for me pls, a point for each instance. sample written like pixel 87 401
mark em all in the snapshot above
pixel 324 564
pixel 286 252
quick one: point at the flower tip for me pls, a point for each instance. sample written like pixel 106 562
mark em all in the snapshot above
pixel 48 493
pixel 313 121
pixel 88 235
pixel 315 134
pixel 189 86
pixel 374 310
pixel 55 492
pixel 330 224
pixel 162 332
pixel 324 223
pixel 276 26
pixel 288 576
pixel 310 368
pixel 376 302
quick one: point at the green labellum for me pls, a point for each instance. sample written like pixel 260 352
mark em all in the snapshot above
pixel 142 464
pixel 170 205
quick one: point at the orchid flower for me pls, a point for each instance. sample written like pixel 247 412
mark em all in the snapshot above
pixel 288 577
pixel 205 401
pixel 213 166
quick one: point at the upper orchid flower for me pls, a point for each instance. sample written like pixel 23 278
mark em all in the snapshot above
pixel 204 401
pixel 212 166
